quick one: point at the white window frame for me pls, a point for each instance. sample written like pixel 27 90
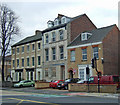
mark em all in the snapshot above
pixel 61 36
pixel 53 37
pixel 72 55
pixel 84 54
pixel 63 19
pixel 22 49
pixel 82 76
pixel 96 53
pixel 56 22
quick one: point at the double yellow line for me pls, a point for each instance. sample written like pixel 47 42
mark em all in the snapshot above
pixel 31 101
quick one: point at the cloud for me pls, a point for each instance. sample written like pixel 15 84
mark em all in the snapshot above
pixel 35 14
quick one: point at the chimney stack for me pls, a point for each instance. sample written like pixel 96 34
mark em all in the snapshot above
pixel 37 32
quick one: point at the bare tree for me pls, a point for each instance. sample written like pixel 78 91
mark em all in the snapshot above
pixel 8 28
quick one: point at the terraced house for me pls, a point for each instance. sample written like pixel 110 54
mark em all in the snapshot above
pixel 101 43
pixel 26 58
pixel 31 62
pixel 60 32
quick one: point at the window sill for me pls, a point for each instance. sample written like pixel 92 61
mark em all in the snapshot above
pixel 84 60
pixel 72 61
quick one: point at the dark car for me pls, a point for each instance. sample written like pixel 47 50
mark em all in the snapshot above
pixel 64 85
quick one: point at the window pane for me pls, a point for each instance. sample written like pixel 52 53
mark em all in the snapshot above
pixel 38 45
pixel 17 50
pixel 27 47
pixel 47 54
pixel 84 54
pixel 23 49
pixel 27 61
pixel 47 38
pixel 17 62
pixel 61 34
pixel 32 61
pixel 73 55
pixel 39 60
pixel 61 52
pixel 53 36
pixel 95 52
pixel 33 47
pixel 22 62
pixel 54 53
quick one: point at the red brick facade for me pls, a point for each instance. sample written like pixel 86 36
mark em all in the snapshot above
pixel 79 25
pixel 110 52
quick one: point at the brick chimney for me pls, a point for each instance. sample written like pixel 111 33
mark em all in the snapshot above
pixel 60 15
pixel 37 32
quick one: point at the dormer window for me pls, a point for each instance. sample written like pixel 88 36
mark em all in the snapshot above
pixel 63 20
pixel 56 22
pixel 50 23
pixel 85 36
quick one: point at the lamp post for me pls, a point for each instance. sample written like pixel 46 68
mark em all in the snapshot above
pixel 97 74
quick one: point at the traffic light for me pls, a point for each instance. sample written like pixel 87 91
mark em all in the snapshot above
pixel 87 70
pixel 93 66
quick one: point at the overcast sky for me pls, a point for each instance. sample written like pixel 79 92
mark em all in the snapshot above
pixel 33 15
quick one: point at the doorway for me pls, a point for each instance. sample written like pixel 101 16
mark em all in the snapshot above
pixel 71 73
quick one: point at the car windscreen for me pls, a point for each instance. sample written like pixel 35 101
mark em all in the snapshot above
pixel 22 81
pixel 116 79
pixel 68 80
pixel 56 81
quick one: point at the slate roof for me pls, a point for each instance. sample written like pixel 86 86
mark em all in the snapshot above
pixel 39 36
pixel 29 40
pixel 97 36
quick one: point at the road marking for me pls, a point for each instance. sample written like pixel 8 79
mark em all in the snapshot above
pixel 48 95
pixel 20 102
pixel 31 101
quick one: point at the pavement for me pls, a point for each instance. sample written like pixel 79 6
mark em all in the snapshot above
pixel 21 91
pixel 107 95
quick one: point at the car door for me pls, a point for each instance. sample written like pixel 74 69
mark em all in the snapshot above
pixel 25 83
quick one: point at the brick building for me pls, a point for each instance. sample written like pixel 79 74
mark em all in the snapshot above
pixel 27 58
pixel 7 67
pixel 101 43
pixel 56 37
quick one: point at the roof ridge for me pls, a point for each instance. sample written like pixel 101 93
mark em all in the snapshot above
pixel 106 26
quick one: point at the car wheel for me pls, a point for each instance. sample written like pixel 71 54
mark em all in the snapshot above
pixel 21 86
pixel 32 85
pixel 66 88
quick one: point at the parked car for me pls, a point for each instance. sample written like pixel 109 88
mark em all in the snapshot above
pixel 64 84
pixel 25 83
pixel 111 79
pixel 82 81
pixel 53 84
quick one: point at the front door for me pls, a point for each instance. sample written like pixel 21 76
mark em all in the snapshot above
pixel 71 74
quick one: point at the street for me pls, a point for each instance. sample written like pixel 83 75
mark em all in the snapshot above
pixel 30 95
